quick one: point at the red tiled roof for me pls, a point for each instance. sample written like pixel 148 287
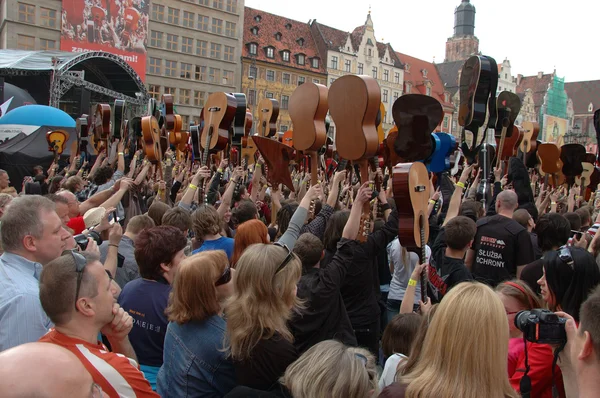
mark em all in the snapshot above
pixel 290 30
pixel 414 75
pixel 538 86
pixel 333 38
pixel 582 94
pixel 356 36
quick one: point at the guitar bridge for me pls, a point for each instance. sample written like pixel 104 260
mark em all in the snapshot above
pixel 214 109
pixel 420 188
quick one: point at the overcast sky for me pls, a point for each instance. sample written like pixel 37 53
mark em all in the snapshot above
pixel 535 35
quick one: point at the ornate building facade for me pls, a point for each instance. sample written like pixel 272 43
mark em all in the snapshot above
pixel 360 53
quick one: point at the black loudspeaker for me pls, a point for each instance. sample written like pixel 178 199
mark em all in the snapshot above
pixel 82 97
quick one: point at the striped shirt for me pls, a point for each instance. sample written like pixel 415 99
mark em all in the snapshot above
pixel 118 375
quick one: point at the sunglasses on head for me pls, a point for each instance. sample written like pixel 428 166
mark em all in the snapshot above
pixel 80 263
pixel 565 255
pixel 225 277
pixel 286 260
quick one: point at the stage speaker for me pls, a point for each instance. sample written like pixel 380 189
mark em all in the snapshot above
pixel 82 97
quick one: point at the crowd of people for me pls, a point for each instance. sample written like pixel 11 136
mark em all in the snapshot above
pixel 119 281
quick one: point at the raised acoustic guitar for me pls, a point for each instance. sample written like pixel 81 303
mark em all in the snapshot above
pixel 239 120
pixel 411 193
pixel 531 130
pixel 354 102
pixel 102 127
pixel 219 112
pixel 508 106
pixel 57 142
pixel 550 163
pixel 572 156
pixel 268 112
pixel 151 138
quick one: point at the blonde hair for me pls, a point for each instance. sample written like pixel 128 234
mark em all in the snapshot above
pixel 263 300
pixel 454 364
pixel 331 369
pixel 194 295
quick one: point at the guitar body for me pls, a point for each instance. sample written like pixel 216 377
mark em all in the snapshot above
pixel 101 127
pixel 168 113
pixel 195 134
pixel 445 145
pixel 531 130
pixel 151 138
pixel 219 112
pixel 511 144
pixel 390 157
pixel 572 156
pixel 308 109
pixel 508 106
pixel 268 112
pixel 277 157
pixel 288 138
pixel 485 155
pixel 118 132
pixel 416 117
pixel 248 151
pixel 550 162
pixel 247 127
pixel 475 89
pixel 57 141
pixel 354 101
pixel 380 120
pixel 411 193
pixel 583 180
pixel 239 120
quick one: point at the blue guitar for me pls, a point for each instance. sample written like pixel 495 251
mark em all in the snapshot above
pixel 444 146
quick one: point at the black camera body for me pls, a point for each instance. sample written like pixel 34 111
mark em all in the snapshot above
pixel 541 326
pixel 82 239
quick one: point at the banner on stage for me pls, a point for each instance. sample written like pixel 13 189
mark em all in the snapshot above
pixel 554 129
pixel 119 27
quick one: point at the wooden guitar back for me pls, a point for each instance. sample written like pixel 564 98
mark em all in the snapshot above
pixel 549 155
pixel 353 104
pixel 531 131
pixel 268 112
pixel 308 109
pixel 411 181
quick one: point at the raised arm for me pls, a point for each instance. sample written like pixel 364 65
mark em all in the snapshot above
pixel 456 198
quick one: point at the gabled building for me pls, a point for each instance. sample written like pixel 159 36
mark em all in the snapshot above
pixel 361 54
pixel 422 77
pixel 527 113
pixel 278 55
pixel 585 97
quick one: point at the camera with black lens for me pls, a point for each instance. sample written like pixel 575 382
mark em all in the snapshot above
pixel 82 239
pixel 541 326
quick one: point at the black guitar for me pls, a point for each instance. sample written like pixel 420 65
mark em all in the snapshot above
pixel 478 83
pixel 239 120
pixel 485 155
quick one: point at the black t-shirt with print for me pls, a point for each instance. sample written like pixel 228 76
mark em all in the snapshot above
pixel 501 245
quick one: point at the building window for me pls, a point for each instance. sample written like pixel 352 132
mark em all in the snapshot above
pixel 445 122
pixel 158 12
pixel 154 91
pixel 396 95
pixel 286 78
pixel 269 95
pixel 285 55
pixel 251 97
pixel 203 2
pixel 172 42
pixel 270 52
pixel 374 72
pixel 156 38
pixel 300 59
pixel 215 50
pixel 360 68
pixel 424 72
pixel 228 53
pixel 252 72
pixel 285 100
pixel 334 62
pixel 214 75
pixel 26 13
pixel 188 19
pixel 230 29
pixel 184 97
pixel 186 45
pixel 185 121
pixel 231 6
pixel 198 98
pixel 218 4
pixel 506 76
pixel 201 48
pixel 347 65
pixel 386 75
pixel 200 73
pixel 202 22
pixel 254 30
pixel 253 48
pixel 25 42
pixel 170 68
pixel 301 80
pixel 186 71
pixel 170 90
pixel 278 36
pixel 48 17
pixel 397 77
pixel 384 97
pixel 228 77
pixel 316 81
pixel 315 62
pixel 173 16
pixel 217 26
pixel 154 65
pixel 300 42
pixel 46 44
pixel 270 75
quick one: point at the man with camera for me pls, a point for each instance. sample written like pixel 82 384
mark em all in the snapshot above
pixel 32 236
pixel 77 293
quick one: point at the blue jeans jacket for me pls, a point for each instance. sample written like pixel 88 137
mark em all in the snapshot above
pixel 195 364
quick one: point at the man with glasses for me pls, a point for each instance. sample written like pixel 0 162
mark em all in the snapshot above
pixel 77 293
pixel 45 370
pixel 32 236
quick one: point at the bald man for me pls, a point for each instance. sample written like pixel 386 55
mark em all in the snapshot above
pixel 44 370
pixel 502 247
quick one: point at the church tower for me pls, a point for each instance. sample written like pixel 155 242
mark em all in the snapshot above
pixel 463 43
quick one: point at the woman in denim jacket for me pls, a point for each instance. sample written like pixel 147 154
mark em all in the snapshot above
pixel 195 363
